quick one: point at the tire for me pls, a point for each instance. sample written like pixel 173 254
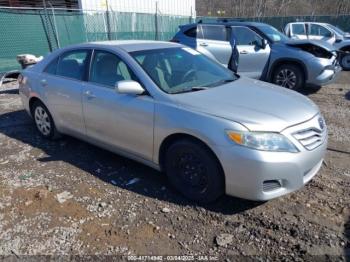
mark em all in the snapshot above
pixel 289 76
pixel 345 62
pixel 194 171
pixel 43 121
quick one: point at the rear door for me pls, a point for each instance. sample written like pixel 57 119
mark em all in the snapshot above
pixel 63 81
pixel 252 56
pixel 298 31
pixel 119 121
pixel 213 39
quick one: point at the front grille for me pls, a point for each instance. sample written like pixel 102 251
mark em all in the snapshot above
pixel 270 185
pixel 313 136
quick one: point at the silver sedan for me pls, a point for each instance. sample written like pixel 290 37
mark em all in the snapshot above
pixel 174 109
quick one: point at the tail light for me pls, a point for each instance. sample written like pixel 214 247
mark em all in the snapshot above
pixel 21 79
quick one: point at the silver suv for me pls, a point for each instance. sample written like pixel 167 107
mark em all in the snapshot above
pixel 264 52
pixel 326 32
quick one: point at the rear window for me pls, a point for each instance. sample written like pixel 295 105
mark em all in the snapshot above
pixel 212 32
pixel 52 67
pixel 73 64
pixel 298 29
pixel 191 32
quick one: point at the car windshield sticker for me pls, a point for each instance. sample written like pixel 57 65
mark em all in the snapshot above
pixel 191 51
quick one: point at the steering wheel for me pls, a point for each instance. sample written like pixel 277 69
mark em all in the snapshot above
pixel 190 75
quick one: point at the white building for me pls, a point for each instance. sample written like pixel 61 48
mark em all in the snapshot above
pixel 166 7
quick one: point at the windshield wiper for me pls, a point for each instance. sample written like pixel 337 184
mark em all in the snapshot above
pixel 221 82
pixel 192 89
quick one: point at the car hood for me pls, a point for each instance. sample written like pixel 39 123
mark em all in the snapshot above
pixel 322 44
pixel 257 105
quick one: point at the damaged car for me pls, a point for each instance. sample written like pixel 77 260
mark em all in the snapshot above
pixel 325 32
pixel 263 52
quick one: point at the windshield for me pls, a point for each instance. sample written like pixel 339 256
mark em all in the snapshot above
pixel 179 70
pixel 272 33
pixel 337 29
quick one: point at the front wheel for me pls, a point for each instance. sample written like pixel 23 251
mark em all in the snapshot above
pixel 345 62
pixel 194 171
pixel 289 76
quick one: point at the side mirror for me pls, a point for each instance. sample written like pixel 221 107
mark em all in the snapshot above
pixel 129 87
pixel 338 40
pixel 330 35
pixel 264 43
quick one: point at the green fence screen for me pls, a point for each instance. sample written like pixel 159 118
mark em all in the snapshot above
pixel 38 31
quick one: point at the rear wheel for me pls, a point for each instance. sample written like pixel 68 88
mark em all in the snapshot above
pixel 289 76
pixel 345 62
pixel 43 121
pixel 194 171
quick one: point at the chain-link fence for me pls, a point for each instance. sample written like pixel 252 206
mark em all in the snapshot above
pixel 40 31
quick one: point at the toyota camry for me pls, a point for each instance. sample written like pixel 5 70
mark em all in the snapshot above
pixel 170 107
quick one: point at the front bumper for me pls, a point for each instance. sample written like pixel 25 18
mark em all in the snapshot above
pixel 326 75
pixel 253 174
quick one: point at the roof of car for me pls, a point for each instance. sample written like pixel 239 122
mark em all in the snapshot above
pixel 309 22
pixel 131 45
pixel 228 22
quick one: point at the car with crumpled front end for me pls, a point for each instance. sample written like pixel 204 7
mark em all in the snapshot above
pixel 324 32
pixel 264 52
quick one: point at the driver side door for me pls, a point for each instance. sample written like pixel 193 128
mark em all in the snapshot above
pixel 319 32
pixel 118 121
pixel 252 56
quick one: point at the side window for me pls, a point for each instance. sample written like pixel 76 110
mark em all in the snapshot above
pixel 191 32
pixel 73 64
pixel 107 69
pixel 245 36
pixel 212 32
pixel 52 67
pixel 298 29
pixel 318 30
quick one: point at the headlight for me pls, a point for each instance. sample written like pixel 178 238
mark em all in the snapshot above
pixel 263 141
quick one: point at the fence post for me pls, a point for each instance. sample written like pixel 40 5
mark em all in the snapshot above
pixel 55 25
pixel 156 22
pixel 108 22
pixel 46 26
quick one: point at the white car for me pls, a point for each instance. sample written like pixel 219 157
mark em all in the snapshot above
pixel 324 32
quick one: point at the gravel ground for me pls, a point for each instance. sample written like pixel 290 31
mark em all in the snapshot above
pixel 69 197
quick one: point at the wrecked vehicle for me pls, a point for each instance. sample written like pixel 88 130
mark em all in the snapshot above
pixel 176 110
pixel 264 52
pixel 325 32
pixel 25 60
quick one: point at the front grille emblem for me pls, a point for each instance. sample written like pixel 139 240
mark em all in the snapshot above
pixel 321 123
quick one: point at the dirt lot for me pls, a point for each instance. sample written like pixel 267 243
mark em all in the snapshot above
pixel 68 197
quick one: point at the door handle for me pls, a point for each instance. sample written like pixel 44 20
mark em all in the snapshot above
pixel 244 52
pixel 43 82
pixel 203 44
pixel 89 94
